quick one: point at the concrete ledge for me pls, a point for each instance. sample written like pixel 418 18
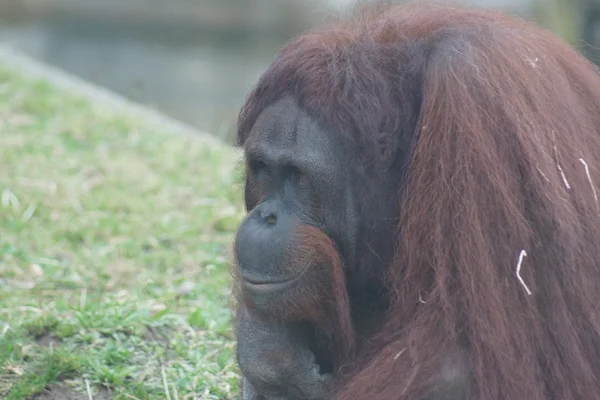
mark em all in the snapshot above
pixel 28 66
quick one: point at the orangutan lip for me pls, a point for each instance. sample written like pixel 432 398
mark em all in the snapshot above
pixel 268 286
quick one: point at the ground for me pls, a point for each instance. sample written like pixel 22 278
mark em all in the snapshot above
pixel 115 241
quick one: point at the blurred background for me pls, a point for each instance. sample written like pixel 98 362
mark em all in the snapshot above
pixel 195 60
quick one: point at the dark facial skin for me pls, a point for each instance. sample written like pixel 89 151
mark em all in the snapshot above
pixel 277 363
pixel 291 180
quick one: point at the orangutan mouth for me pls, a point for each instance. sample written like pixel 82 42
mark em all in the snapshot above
pixel 266 285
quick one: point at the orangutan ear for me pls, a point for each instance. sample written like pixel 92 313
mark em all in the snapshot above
pixel 395 147
pixel 387 148
pixel 395 141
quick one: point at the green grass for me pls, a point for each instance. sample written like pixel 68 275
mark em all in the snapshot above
pixel 115 243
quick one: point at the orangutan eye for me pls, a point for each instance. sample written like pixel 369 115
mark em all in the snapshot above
pixel 258 168
pixel 297 177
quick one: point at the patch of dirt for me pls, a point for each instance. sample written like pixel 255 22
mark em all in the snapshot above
pixel 62 392
pixel 47 340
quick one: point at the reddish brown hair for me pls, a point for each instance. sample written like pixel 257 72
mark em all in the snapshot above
pixel 504 171
pixel 328 306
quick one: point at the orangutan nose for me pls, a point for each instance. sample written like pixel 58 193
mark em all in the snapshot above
pixel 267 212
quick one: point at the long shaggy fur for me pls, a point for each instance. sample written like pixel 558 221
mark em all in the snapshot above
pixel 505 158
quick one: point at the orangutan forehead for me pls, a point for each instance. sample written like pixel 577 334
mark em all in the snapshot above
pixel 279 122
pixel 285 131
